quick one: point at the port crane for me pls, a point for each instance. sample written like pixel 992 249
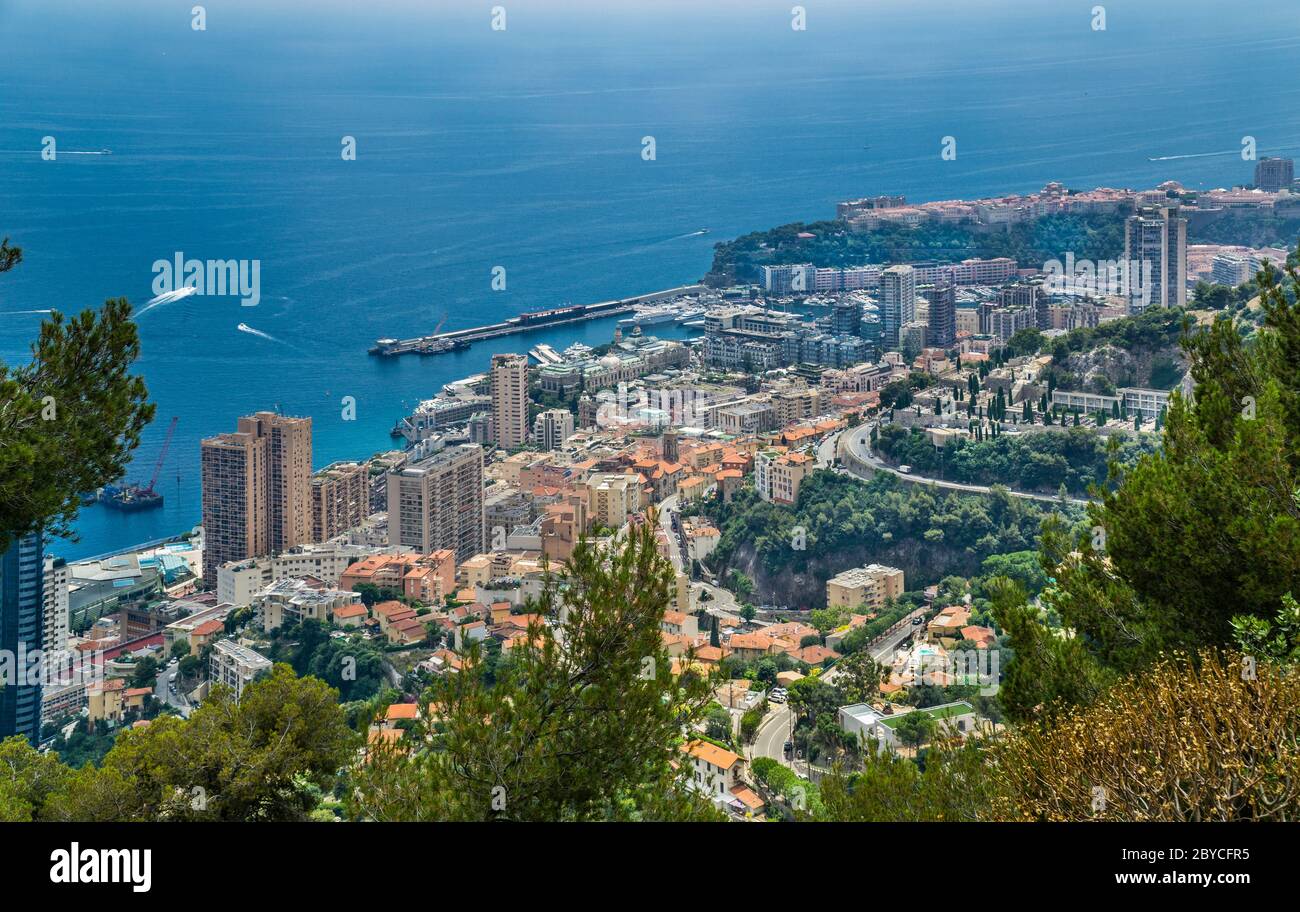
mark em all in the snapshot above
pixel 157 468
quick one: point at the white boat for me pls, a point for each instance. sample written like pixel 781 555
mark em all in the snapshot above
pixel 650 316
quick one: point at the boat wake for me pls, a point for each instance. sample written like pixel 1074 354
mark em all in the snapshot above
pixel 167 297
pixel 1165 158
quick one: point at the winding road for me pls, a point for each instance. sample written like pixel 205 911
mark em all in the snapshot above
pixel 854 452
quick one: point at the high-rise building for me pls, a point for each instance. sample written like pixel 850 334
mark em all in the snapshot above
pixel 1156 236
pixel 552 428
pixel 340 499
pixel 510 400
pixel 256 489
pixel 54 600
pixel 897 303
pixel 846 318
pixel 22 571
pixel 436 500
pixel 942 332
pixel 1274 174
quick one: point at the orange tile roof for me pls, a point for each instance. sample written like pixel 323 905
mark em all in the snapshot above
pixel 750 641
pixel 711 754
pixel 746 796
pixel 207 628
pixel 398 711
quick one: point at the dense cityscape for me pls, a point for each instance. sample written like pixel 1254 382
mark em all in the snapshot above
pixel 969 510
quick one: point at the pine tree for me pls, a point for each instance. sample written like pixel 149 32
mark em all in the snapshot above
pixel 70 418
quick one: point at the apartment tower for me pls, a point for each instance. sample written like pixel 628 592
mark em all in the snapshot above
pixel 1156 236
pixel 942 332
pixel 256 489
pixel 510 400
pixel 22 572
pixel 436 500
pixel 340 499
pixel 898 303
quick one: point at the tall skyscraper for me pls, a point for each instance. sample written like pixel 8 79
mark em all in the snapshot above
pixel 1156 236
pixel 943 315
pixel 1274 174
pixel 22 571
pixel 897 303
pixel 256 489
pixel 510 400
pixel 436 500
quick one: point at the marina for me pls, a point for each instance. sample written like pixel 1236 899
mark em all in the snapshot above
pixel 459 339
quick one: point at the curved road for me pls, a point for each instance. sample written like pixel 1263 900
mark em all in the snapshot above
pixel 856 442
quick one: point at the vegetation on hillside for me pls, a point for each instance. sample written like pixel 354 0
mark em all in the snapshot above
pixel 1076 457
pixel 1032 244
pixel 586 723
pixel 838 522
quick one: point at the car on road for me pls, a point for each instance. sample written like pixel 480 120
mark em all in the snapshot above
pixel 905 469
pixel 917 620
pixel 778 695
pixel 788 749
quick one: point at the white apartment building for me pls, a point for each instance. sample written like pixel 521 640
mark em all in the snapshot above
pixel 235 666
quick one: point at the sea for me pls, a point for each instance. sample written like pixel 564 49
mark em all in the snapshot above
pixel 521 137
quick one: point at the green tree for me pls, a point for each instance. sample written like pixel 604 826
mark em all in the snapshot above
pixel 585 724
pixel 69 418
pixel 1208 527
pixel 251 760
pixel 27 777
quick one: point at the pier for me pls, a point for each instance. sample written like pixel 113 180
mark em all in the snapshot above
pixel 460 339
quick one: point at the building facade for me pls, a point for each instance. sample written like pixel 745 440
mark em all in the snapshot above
pixel 510 400
pixel 436 501
pixel 22 573
pixel 340 499
pixel 898 303
pixel 256 489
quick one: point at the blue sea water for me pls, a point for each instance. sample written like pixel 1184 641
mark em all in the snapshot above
pixel 522 149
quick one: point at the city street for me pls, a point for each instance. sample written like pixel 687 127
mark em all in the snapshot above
pixel 163 693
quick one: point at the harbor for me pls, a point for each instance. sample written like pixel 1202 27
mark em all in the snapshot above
pixel 460 339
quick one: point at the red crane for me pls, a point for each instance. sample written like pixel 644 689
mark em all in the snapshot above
pixel 171 429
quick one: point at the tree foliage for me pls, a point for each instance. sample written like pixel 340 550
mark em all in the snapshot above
pixel 69 418
pixel 1185 740
pixel 263 758
pixel 586 723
